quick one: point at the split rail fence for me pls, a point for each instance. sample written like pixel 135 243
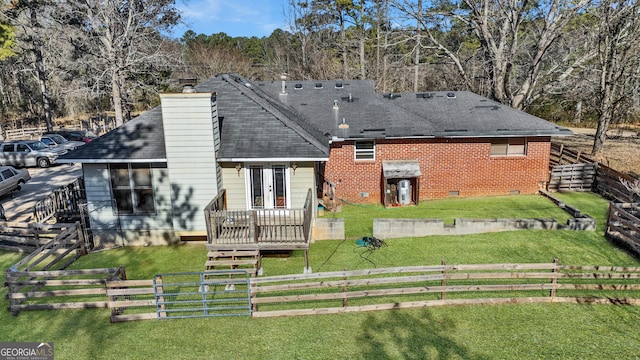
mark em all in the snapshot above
pixel 342 291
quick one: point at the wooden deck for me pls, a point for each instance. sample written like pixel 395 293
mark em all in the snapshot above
pixel 274 229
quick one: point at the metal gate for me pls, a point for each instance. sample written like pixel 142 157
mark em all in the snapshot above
pixel 202 294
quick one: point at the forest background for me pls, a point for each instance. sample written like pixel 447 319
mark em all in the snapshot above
pixel 569 61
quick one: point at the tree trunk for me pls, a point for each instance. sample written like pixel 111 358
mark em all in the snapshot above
pixel 363 37
pixel 40 73
pixel 604 120
pixel 116 97
pixel 416 60
pixel 343 39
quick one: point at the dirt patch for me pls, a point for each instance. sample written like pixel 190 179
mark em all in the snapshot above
pixel 621 149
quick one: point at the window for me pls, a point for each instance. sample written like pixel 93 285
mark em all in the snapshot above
pixel 509 147
pixel 365 150
pixel 8 173
pixel 132 188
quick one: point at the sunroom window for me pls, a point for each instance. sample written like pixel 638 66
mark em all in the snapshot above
pixel 132 188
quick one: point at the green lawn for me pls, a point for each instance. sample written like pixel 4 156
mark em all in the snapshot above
pixel 538 331
pixel 359 218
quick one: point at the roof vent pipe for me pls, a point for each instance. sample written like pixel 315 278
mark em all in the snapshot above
pixel 283 91
pixel 335 105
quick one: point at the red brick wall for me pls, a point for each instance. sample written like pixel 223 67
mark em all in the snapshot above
pixel 463 165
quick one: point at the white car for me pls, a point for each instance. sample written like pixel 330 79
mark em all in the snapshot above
pixel 12 179
pixel 58 141
pixel 28 153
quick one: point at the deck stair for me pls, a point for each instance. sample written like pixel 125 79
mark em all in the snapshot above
pixel 247 260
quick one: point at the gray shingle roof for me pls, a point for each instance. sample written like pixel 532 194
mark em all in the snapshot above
pixel 139 140
pixel 371 115
pixel 258 122
pixel 256 126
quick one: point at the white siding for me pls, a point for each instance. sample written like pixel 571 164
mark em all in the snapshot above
pixel 234 185
pixel 103 215
pixel 301 181
pixel 192 139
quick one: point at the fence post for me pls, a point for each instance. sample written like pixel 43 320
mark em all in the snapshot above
pixel 159 298
pixel 443 282
pixel 81 239
pixel 554 279
pixel 9 280
pixel 345 300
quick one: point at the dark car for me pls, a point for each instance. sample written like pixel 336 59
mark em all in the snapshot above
pixel 75 135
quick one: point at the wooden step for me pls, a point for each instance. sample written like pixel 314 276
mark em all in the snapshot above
pixel 250 271
pixel 233 253
pixel 231 262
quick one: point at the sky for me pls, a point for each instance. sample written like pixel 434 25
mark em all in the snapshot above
pixel 234 17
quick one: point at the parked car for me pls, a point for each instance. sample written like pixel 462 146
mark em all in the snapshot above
pixel 75 135
pixel 12 179
pixel 58 141
pixel 28 153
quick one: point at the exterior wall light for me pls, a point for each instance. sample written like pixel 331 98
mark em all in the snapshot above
pixel 238 168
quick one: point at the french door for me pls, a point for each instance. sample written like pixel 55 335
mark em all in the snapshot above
pixel 268 186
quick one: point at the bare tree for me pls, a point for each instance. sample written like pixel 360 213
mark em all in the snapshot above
pixel 618 59
pixel 35 26
pixel 124 42
pixel 507 31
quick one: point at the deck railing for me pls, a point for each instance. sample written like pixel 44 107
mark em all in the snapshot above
pixel 258 227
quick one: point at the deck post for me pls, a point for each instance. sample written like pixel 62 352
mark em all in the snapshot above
pixel 307 269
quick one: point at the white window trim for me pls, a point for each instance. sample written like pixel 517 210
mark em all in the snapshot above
pixel 509 143
pixel 357 152
pixel 132 187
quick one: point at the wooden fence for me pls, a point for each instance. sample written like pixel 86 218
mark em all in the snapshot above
pixel 24 133
pixel 61 289
pixel 623 225
pixel 607 180
pixel 424 286
pixel 27 237
pixel 63 204
pixel 351 291
pixel 572 177
pixel 54 252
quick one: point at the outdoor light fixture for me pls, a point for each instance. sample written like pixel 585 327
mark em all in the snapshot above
pixel 294 166
pixel 238 168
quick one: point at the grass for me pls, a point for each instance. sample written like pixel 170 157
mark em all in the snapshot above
pixel 551 331
pixel 359 218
